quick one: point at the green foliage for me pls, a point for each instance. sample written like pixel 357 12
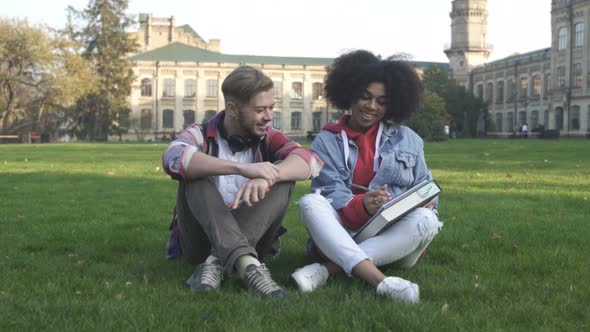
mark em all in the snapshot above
pixel 40 75
pixel 84 228
pixel 106 44
pixel 430 121
pixel 466 111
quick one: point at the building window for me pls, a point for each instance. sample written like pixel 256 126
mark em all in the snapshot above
pixel 295 120
pixel 577 75
pixel 524 86
pixel 561 38
pixel 547 82
pixel 561 76
pixel 534 119
pixel 536 85
pixel 169 88
pixel 317 119
pixel 479 91
pixel 146 87
pixel 510 122
pixel 559 118
pixel 546 119
pixel 145 120
pixel 575 121
pixel 297 90
pixel 579 35
pixel 211 88
pixel 209 115
pixel 490 91
pixel 189 118
pixel 276 120
pixel 521 118
pixel 499 122
pixel 189 88
pixel 123 118
pixel 278 89
pixel 500 92
pixel 168 119
pixel 317 90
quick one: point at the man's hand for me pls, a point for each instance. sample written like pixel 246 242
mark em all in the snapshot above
pixel 251 192
pixel 264 170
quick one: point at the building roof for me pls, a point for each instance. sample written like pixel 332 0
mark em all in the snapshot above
pixel 187 28
pixel 180 52
pixel 523 56
pixel 184 53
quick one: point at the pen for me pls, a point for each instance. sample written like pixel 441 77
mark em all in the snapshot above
pixel 360 187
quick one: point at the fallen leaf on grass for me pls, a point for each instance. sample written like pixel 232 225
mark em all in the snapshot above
pixel 80 263
pixel 120 296
pixel 128 283
pixel 146 280
pixel 514 246
pixel 445 308
pixel 496 236
pixel 508 175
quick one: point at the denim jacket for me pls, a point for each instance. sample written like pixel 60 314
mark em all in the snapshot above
pixel 402 163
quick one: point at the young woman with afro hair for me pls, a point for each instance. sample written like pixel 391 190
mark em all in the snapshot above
pixel 368 148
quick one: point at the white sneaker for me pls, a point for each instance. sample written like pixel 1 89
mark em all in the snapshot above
pixel 310 277
pixel 400 289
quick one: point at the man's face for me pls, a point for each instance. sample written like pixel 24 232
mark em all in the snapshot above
pixel 254 117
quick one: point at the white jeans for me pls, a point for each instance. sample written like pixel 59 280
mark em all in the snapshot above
pixel 402 243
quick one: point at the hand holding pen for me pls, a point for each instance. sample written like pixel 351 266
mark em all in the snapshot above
pixel 374 199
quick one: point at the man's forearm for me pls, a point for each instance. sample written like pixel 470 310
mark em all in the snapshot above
pixel 293 168
pixel 202 165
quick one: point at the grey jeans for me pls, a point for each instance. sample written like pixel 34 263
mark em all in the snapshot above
pixel 207 226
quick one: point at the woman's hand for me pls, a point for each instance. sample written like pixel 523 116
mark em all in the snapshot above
pixel 375 199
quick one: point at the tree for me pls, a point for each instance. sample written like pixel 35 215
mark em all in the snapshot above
pixel 430 121
pixel 40 74
pixel 465 110
pixel 106 45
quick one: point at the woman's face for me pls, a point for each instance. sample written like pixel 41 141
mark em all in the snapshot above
pixel 369 108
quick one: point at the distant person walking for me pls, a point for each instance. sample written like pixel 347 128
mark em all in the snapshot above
pixel 525 130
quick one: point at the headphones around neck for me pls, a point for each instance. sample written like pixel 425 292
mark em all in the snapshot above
pixel 239 143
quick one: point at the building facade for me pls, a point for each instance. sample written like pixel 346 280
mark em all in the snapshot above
pixel 547 88
pixel 178 77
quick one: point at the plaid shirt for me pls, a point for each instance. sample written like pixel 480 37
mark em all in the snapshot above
pixel 194 139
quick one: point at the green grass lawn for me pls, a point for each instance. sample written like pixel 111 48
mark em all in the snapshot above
pixel 83 229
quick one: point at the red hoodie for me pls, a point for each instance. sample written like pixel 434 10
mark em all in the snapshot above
pixel 354 215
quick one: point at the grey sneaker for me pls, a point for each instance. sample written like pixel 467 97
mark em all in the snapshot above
pixel 310 277
pixel 399 289
pixel 258 280
pixel 206 277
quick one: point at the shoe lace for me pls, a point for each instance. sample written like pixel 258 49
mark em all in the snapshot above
pixel 313 275
pixel 261 281
pixel 211 274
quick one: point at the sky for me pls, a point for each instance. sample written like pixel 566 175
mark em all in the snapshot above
pixel 326 28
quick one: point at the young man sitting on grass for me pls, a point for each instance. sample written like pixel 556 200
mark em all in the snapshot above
pixel 235 180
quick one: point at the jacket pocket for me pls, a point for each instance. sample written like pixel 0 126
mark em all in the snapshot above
pixel 404 166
